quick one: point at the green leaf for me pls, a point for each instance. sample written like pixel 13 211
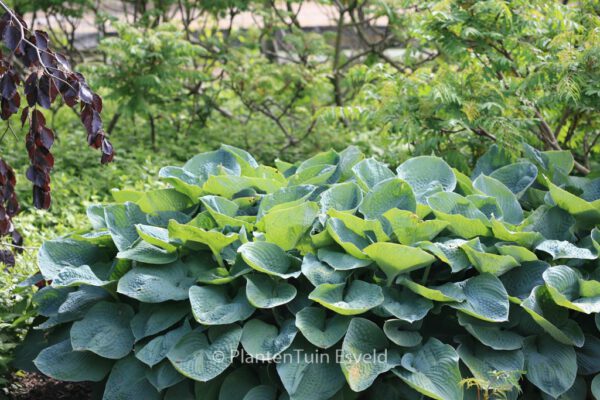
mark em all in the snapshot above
pixel 145 252
pixel 365 354
pixel 54 255
pixel 527 239
pixel 120 220
pixel 215 240
pixel 321 331
pixel 486 262
pixel 567 288
pixel 562 249
pixel 519 253
pixel 298 221
pixel 449 251
pixel 466 220
pixel 164 376
pixel 409 228
pixel 551 222
pixel 369 172
pixel 395 330
pixel 499 370
pixel 238 383
pixel 550 365
pixel 519 282
pixel 340 261
pixel 182 180
pixel 264 291
pixel 285 198
pixel 155 284
pixel 517 177
pixel 154 318
pixel 349 240
pixel 264 342
pixel 156 236
pixel 388 194
pixel 448 292
pixel 587 214
pixel 427 175
pixel 69 276
pixel 261 392
pixel 224 212
pixel 395 259
pixel 342 197
pixel 212 305
pixel 507 200
pixel 552 318
pixel 203 356
pixel 104 330
pixel 433 371
pixel 307 374
pixel 213 163
pixel 492 335
pixel 155 350
pixel 485 298
pixel 229 185
pixel 59 361
pixel 127 381
pixel 596 386
pixel 270 259
pixel 348 299
pixel 318 273
pixel 405 305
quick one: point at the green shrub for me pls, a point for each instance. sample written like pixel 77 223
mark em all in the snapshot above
pixel 332 276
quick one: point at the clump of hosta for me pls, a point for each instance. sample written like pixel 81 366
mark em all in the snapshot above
pixel 336 277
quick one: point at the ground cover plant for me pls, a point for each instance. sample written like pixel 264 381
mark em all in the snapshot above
pixel 418 281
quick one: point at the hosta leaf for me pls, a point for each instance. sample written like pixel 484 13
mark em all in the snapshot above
pixel 519 282
pixel 586 213
pixel 340 261
pixel 596 386
pixel 127 381
pixel 154 351
pixel 154 201
pixel 409 228
pixel 244 159
pixel 306 379
pixel 59 361
pixel 156 236
pixel 491 334
pixel 154 318
pixel 388 194
pixel 120 220
pixel 450 252
pixel 229 185
pixel 444 293
pixel 224 212
pixel 483 262
pixel 369 172
pixel 485 298
pixel 427 175
pixel 465 220
pixel 433 371
pixel 552 318
pixel 349 157
pixel 54 255
pixel 213 163
pixel 551 222
pixel 104 330
pixel 395 330
pixel 563 249
pixel 588 356
pixel 215 240
pixel 367 228
pixel 315 175
pixel 155 284
pixel 318 273
pixel 365 354
pixel 211 305
pixel 238 383
pixel 270 259
pixel 321 331
pixel 527 239
pixel 182 180
pixel 163 376
pixel 213 274
pixel 567 288
pixel 264 291
pixel 519 253
pixel 298 220
pixel 395 259
pixel 202 356
pixel 261 392
pixel 550 365
pixel 356 297
pixel 405 305
pixel 350 241
pixel 69 276
pixel 342 197
pixel 511 209
pixel 493 159
pixel 285 198
pixel 145 252
pixel 264 342
pixel 500 370
pixel 517 177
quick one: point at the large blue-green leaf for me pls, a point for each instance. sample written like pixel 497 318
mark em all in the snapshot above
pixel 56 254
pixel 388 194
pixel 517 177
pixel 127 381
pixel 264 291
pixel 427 175
pixel 270 259
pixel 395 259
pixel 465 220
pixel 369 172
pixel 433 371
pixel 568 289
pixel 264 342
pixel 507 200
pixel 320 330
pixel 212 305
pixel 154 351
pixel 351 298
pixel 154 318
pixel 485 298
pixel 550 365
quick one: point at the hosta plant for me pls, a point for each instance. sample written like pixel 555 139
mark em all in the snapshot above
pixel 336 277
